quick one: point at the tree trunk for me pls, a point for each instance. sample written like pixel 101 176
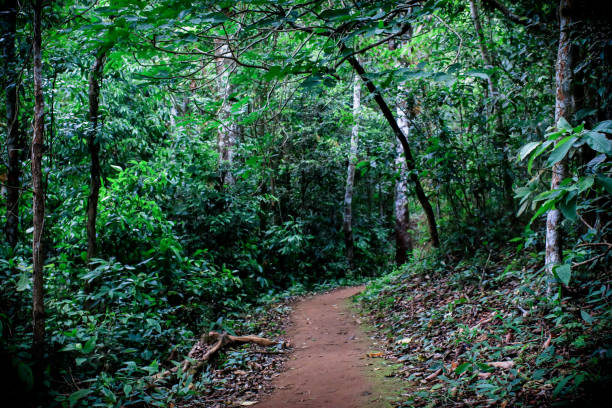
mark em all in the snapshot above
pixel 38 205
pixel 229 131
pixel 14 141
pixel 500 131
pixel 350 178
pixel 564 108
pixel 403 238
pixel 421 196
pixel 93 143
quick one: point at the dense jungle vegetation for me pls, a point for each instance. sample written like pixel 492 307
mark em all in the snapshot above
pixel 170 167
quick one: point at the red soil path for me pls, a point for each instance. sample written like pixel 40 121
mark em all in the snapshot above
pixel 329 366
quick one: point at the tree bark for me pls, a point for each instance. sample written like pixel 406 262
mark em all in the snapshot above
pixel 350 177
pixel 229 131
pixel 38 205
pixel 93 144
pixel 410 163
pixel 564 108
pixel 500 131
pixel 14 141
pixel 403 236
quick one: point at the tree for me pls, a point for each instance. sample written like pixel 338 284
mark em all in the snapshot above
pixel 38 205
pixel 229 130
pixel 388 115
pixel 565 105
pixel 14 142
pixel 93 145
pixel 499 129
pixel 347 224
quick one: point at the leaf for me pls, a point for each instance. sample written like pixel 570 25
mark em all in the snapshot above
pixel 568 208
pixel 605 126
pixel 562 385
pixel 606 182
pixel 560 150
pixel 598 142
pixel 23 283
pixel 77 395
pixel 248 403
pixel 528 148
pixel 462 368
pixel 538 152
pixel 405 340
pixel 25 374
pixel 563 273
pixel 563 124
pixel 586 317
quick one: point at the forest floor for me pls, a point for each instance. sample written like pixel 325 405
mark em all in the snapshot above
pixel 333 363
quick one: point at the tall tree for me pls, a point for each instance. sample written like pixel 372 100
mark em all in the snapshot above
pixel 403 237
pixel 229 130
pixel 565 106
pixel 93 144
pixel 499 129
pixel 38 205
pixel 350 177
pixel 14 142
pixel 410 163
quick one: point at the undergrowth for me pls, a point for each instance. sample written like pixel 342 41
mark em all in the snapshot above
pixel 484 332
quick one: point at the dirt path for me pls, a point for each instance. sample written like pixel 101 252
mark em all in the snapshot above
pixel 329 366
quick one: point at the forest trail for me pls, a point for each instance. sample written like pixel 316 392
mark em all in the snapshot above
pixel 329 366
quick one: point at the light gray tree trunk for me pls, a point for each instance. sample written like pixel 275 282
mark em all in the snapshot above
pixel 564 108
pixel 403 236
pixel 229 130
pixel 350 177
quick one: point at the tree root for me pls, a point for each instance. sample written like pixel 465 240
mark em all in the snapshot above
pixel 200 354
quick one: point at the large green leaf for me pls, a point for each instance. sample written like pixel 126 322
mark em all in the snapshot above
pixel 563 273
pixel 528 148
pixel 598 142
pixel 606 182
pixel 561 150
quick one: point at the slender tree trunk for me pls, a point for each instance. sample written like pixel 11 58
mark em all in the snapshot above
pixel 229 131
pixel 418 188
pixel 14 141
pixel 350 177
pixel 38 205
pixel 500 130
pixel 93 143
pixel 564 108
pixel 403 238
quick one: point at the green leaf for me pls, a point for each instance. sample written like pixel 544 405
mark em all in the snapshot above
pixel 77 395
pixel 562 385
pixel 605 126
pixel 564 124
pixel 563 273
pixel 538 152
pixel 606 182
pixel 545 207
pixel 568 207
pixel 560 150
pixel 598 142
pixel 127 389
pixel 23 283
pixel 587 317
pixel 528 148
pixel 462 368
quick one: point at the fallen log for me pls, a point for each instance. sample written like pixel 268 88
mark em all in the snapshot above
pixel 200 354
